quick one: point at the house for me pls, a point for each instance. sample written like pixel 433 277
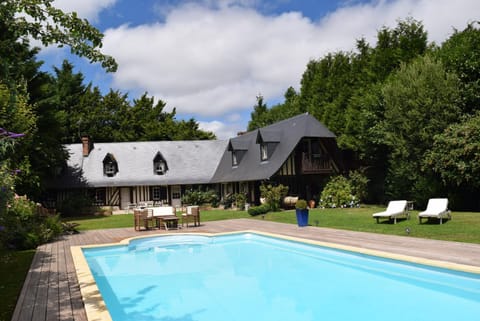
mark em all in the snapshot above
pixel 298 152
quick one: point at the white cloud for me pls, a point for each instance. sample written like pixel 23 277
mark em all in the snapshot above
pixel 88 9
pixel 215 58
pixel 211 58
pixel 213 61
pixel 221 129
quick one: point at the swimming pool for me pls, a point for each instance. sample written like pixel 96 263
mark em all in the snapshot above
pixel 254 277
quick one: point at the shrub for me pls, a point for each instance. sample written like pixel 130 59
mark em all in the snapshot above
pixel 6 187
pixel 301 204
pixel 337 193
pixel 200 198
pixel 273 195
pixel 23 228
pixel 359 182
pixel 240 200
pixel 228 200
pixel 77 204
pixel 258 210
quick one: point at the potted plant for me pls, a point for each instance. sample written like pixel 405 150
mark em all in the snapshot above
pixel 301 210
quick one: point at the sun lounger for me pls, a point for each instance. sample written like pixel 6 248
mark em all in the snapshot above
pixel 436 208
pixel 394 209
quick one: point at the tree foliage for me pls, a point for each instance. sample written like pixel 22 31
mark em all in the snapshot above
pixel 460 54
pixel 390 106
pixel 455 154
pixel 421 100
pixel 259 116
pixel 40 20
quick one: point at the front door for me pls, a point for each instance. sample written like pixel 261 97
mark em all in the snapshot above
pixel 176 196
pixel 125 198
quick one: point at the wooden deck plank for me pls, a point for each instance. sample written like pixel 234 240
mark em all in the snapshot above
pixel 53 299
pixel 51 290
pixel 26 301
pixel 65 303
pixel 41 297
pixel 78 310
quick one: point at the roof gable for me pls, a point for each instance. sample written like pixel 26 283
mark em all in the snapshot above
pixel 283 136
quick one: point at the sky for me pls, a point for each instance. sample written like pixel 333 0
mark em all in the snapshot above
pixel 210 59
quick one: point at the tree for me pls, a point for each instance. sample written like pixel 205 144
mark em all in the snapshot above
pixel 190 130
pixel 31 92
pixel 396 46
pixel 258 118
pixel 455 154
pixel 67 91
pixel 421 100
pixel 40 20
pixel 461 54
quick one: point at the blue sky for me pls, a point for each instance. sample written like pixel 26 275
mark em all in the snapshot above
pixel 210 58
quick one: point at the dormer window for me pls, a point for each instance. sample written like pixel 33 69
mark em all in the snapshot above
pixel 238 147
pixel 110 165
pixel 268 141
pixel 159 165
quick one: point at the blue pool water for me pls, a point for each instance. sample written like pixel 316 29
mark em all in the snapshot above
pixel 250 277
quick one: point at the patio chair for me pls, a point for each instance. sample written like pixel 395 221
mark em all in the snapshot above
pixel 141 219
pixel 394 209
pixel 436 208
pixel 192 214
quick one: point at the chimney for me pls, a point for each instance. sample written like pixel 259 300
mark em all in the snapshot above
pixel 87 146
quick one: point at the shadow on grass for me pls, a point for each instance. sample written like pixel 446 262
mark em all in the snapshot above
pixel 83 218
pixel 434 221
pixel 15 265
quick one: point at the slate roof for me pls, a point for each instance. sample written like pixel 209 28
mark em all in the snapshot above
pixel 192 162
pixel 189 162
pixel 285 135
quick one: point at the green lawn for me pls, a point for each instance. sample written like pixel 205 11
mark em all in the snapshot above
pixel 464 226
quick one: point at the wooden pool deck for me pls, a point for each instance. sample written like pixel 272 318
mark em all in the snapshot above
pixel 51 291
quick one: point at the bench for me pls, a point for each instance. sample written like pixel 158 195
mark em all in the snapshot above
pixel 164 216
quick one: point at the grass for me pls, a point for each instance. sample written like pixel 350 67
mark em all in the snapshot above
pixel 464 226
pixel 13 269
pixel 126 220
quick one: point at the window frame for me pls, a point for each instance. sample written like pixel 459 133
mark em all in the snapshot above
pixel 263 152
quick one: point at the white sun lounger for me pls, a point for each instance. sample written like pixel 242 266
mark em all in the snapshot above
pixel 436 208
pixel 394 210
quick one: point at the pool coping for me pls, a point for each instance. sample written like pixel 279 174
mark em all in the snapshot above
pixel 96 309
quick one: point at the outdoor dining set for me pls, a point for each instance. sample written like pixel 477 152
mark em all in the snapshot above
pixel 146 216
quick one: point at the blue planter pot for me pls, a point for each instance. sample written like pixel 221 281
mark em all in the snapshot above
pixel 302 217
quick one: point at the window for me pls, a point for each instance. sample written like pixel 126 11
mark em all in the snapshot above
pixel 110 166
pixel 110 169
pixel 159 193
pixel 159 165
pixel 234 158
pixel 176 192
pixel 263 152
pixel 100 196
